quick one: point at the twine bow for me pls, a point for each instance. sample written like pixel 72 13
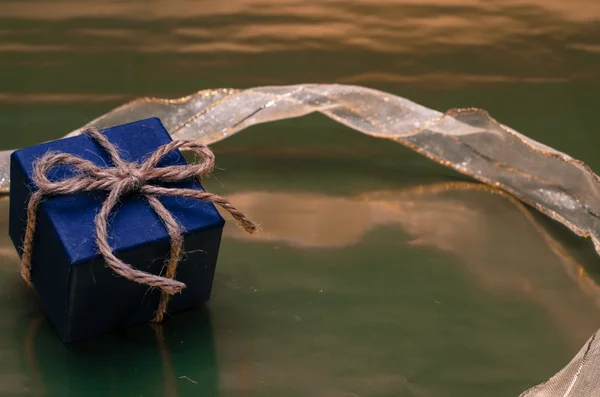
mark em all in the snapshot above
pixel 123 179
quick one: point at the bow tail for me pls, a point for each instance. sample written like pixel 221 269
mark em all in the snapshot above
pixel 245 222
pixel 32 206
pixel 123 269
pixel 174 230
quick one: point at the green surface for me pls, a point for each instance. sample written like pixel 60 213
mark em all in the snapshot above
pixel 378 272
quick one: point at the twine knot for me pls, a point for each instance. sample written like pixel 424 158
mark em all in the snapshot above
pixel 125 178
pixel 131 177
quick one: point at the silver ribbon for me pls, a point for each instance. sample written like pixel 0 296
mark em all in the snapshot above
pixel 467 140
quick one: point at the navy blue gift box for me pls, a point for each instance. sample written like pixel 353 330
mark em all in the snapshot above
pixel 81 295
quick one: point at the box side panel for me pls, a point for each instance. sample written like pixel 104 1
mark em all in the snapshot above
pixel 101 301
pixel 51 272
pixel 197 270
pixel 50 267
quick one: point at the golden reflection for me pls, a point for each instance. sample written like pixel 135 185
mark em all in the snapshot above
pixel 450 79
pixel 577 10
pixel 493 235
pixel 59 98
pixel 391 27
pixel 170 387
pixel 594 48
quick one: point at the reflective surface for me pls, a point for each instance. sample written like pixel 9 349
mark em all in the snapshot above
pixel 376 273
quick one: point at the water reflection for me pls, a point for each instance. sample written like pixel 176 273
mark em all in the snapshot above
pixel 142 360
pixel 494 237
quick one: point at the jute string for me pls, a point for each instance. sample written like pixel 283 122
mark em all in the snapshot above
pixel 127 178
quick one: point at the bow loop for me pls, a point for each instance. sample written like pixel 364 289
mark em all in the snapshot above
pixel 85 173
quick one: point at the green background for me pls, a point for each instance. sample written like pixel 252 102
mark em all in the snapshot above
pixel 378 272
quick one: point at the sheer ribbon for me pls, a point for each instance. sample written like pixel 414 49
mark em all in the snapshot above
pixel 467 140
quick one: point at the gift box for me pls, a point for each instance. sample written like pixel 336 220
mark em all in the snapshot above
pixel 81 295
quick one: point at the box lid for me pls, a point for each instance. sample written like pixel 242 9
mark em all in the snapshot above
pixel 133 222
